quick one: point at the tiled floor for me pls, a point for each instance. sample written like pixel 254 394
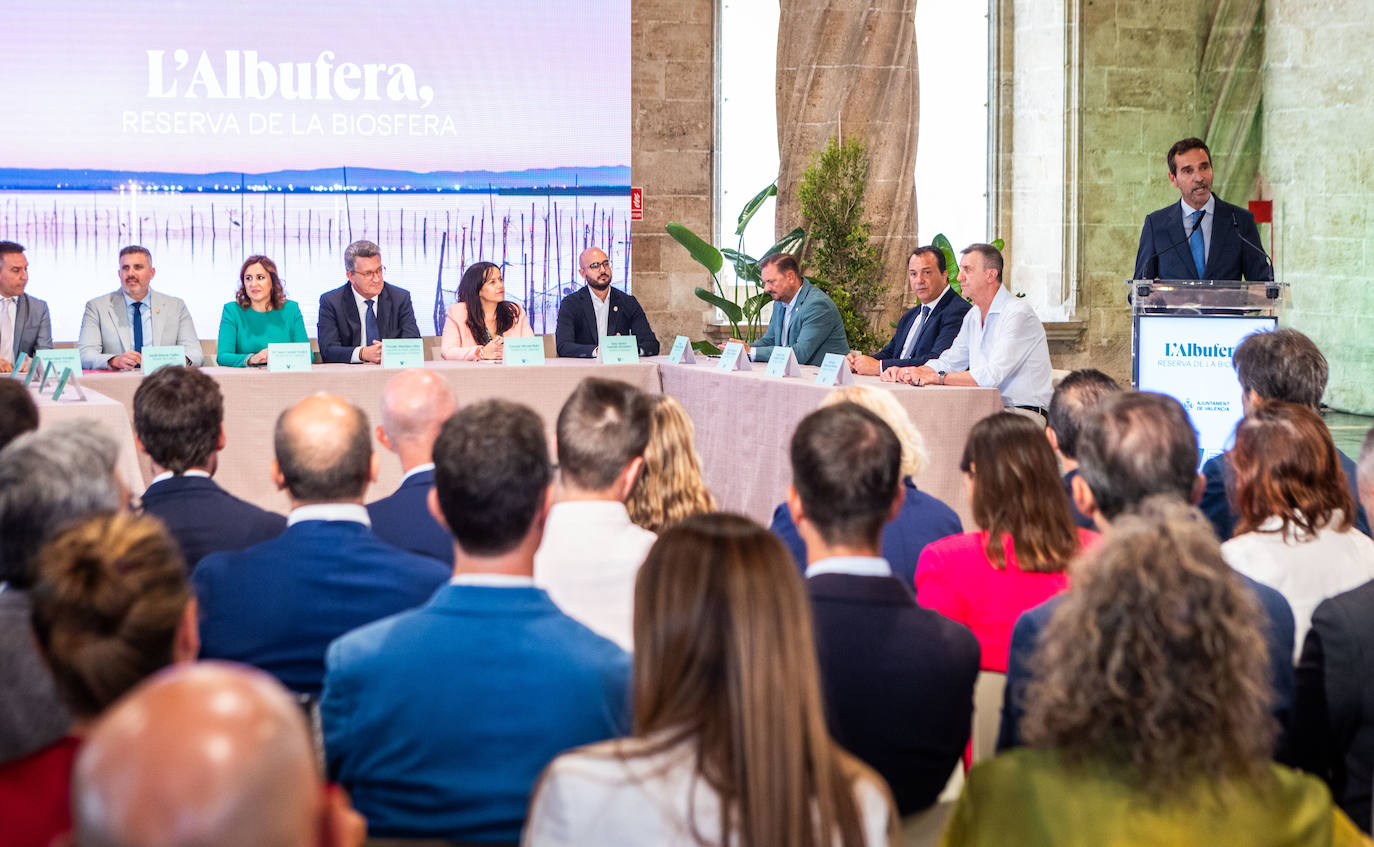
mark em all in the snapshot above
pixel 1348 430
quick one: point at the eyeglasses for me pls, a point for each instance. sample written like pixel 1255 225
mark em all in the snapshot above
pixel 596 266
pixel 373 274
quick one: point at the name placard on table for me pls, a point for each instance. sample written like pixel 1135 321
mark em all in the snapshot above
pixel 524 351
pixel 67 357
pixel 618 350
pixel 682 354
pixel 153 358
pixel 733 358
pixel 834 371
pixel 782 363
pixel 288 356
pixel 403 353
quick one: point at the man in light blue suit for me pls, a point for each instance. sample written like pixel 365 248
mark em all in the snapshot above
pixel 24 323
pixel 804 317
pixel 111 338
pixel 439 720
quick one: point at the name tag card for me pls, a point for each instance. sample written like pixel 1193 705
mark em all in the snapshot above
pixel 67 357
pixel 161 357
pixel 403 353
pixel 834 371
pixel 49 371
pixel 288 356
pixel 34 368
pixel 18 365
pixel 68 378
pixel 681 354
pixel 733 358
pixel 524 351
pixel 783 362
pixel 618 350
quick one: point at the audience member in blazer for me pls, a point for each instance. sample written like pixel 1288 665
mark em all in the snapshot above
pixel 179 421
pixel 804 317
pixel 415 403
pixel 24 323
pixel 482 318
pixel 1075 398
pixel 439 720
pixel 597 309
pixel 110 340
pixel 911 726
pixel 278 604
pixel 926 330
pixel 18 412
pixel 345 331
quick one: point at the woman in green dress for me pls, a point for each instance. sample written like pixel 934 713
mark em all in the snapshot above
pixel 259 315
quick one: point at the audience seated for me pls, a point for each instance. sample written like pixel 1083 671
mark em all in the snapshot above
pixel 1026 536
pixel 669 487
pixel 439 720
pixel 415 403
pixel 1282 365
pixel 278 604
pixel 591 550
pixel 47 478
pixel 206 755
pixel 1075 397
pixel 922 518
pixel 111 606
pixel 897 678
pixel 729 743
pixel 1149 718
pixel 18 414
pixel 179 421
pixel 1136 445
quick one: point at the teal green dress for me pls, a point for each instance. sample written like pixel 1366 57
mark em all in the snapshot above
pixel 243 332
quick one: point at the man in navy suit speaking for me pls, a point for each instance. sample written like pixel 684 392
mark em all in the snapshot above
pixel 354 318
pixel 925 331
pixel 1201 236
pixel 596 309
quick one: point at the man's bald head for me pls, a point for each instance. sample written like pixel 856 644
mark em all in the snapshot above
pixel 203 754
pixel 324 450
pixel 415 403
pixel 594 267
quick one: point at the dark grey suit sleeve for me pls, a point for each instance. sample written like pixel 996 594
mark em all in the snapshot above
pixel 639 325
pixel 405 318
pixel 566 332
pixel 1253 263
pixel 1146 257
pixel 327 332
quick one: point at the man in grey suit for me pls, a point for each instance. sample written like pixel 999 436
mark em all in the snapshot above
pixel 24 323
pixel 117 326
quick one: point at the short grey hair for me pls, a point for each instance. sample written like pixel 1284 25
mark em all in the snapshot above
pixel 364 248
pixel 47 478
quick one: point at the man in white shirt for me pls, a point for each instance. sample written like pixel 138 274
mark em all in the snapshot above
pixel 1002 342
pixel 591 551
pixel 117 326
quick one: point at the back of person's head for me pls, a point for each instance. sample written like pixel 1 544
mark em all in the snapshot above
pixel 178 416
pixel 202 755
pixel 603 426
pixel 415 403
pixel 1281 365
pixel 670 486
pixel 1136 444
pixel 884 404
pixel 846 469
pixel 1286 467
pixel 48 478
pixel 722 628
pixel 1075 397
pixel 491 475
pixel 1017 490
pixel 18 412
pixel 1155 660
pixel 109 608
pixel 324 450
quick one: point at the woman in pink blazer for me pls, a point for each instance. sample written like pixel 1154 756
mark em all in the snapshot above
pixel 482 317
pixel 1026 536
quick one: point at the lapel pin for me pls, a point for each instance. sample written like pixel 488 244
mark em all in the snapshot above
pixel 615 308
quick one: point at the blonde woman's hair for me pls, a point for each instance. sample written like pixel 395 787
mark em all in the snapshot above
pixel 885 406
pixel 669 488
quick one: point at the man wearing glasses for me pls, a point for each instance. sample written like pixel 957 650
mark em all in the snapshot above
pixel 354 318
pixel 597 310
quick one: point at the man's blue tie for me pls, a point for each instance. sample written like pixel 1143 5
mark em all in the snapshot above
pixel 915 332
pixel 138 326
pixel 1195 242
pixel 371 329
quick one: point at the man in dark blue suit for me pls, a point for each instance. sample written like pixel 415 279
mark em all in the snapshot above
pixel 597 309
pixel 179 423
pixel 415 403
pixel 439 720
pixel 1201 236
pixel 278 604
pixel 354 318
pixel 927 330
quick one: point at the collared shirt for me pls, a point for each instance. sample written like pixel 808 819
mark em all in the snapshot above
pixel 147 315
pixel 492 580
pixel 1210 208
pixel 787 320
pixel 9 313
pixel 330 512
pixel 1008 350
pixel 919 324
pixel 428 466
pixel 850 566
pixel 601 308
pixel 165 475
pixel 361 301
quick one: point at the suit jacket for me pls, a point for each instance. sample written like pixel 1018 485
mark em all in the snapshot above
pixel 816 328
pixel 31 715
pixel 403 519
pixel 106 331
pixel 1218 473
pixel 1164 252
pixel 439 720
pixel 32 327
pixel 898 681
pixel 278 604
pixel 934 338
pixel 339 329
pixel 576 333
pixel 205 519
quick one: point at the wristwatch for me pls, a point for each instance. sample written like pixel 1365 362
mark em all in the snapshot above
pixel 941 375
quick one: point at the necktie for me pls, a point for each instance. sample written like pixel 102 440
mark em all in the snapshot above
pixel 7 328
pixel 1195 242
pixel 138 326
pixel 915 333
pixel 371 329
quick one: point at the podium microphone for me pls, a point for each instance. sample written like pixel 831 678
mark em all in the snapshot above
pixel 1235 224
pixel 1156 254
